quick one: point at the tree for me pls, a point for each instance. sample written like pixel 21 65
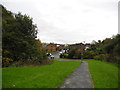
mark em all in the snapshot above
pixel 71 53
pixel 19 39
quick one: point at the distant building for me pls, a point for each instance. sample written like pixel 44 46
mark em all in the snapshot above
pixel 44 45
pixel 87 45
pixel 77 46
pixel 51 47
pixel 61 47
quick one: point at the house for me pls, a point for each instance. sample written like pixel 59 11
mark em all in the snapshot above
pixel 44 45
pixel 61 47
pixel 87 46
pixel 51 47
pixel 77 46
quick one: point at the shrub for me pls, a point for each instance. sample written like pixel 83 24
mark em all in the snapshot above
pixel 63 55
pixel 19 41
pixel 101 57
pixel 6 61
pixel 30 63
pixel 108 58
pixel 71 53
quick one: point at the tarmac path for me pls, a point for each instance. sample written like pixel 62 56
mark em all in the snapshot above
pixel 80 78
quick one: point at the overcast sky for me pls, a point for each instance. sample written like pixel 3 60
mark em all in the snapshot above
pixel 70 21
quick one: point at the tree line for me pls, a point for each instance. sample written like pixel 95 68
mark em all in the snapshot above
pixel 105 50
pixel 19 43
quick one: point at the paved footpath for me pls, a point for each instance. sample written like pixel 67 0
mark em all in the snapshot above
pixel 80 78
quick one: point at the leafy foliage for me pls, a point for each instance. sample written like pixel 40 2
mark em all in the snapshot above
pixel 107 50
pixel 75 53
pixel 71 53
pixel 19 39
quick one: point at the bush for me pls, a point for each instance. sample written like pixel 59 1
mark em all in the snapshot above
pixel 16 64
pixel 6 61
pixel 102 57
pixel 75 54
pixel 97 57
pixel 19 35
pixel 61 56
pixel 30 63
pixel 71 53
pixel 88 55
pixel 64 55
pixel 108 58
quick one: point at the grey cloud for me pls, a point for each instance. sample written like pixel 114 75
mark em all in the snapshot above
pixel 69 21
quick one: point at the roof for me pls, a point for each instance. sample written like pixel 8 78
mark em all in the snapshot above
pixel 44 45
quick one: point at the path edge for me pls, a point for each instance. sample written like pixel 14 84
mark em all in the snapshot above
pixel 90 76
pixel 67 77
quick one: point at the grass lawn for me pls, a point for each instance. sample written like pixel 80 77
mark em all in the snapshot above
pixel 104 75
pixel 46 76
pixel 67 59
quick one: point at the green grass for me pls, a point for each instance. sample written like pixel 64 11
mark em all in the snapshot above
pixel 104 74
pixel 0 78
pixel 46 76
pixel 66 59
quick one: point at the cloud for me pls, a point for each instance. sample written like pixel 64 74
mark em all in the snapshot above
pixel 70 21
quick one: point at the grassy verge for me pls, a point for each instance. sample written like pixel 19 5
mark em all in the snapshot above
pixel 46 76
pixel 66 59
pixel 104 75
